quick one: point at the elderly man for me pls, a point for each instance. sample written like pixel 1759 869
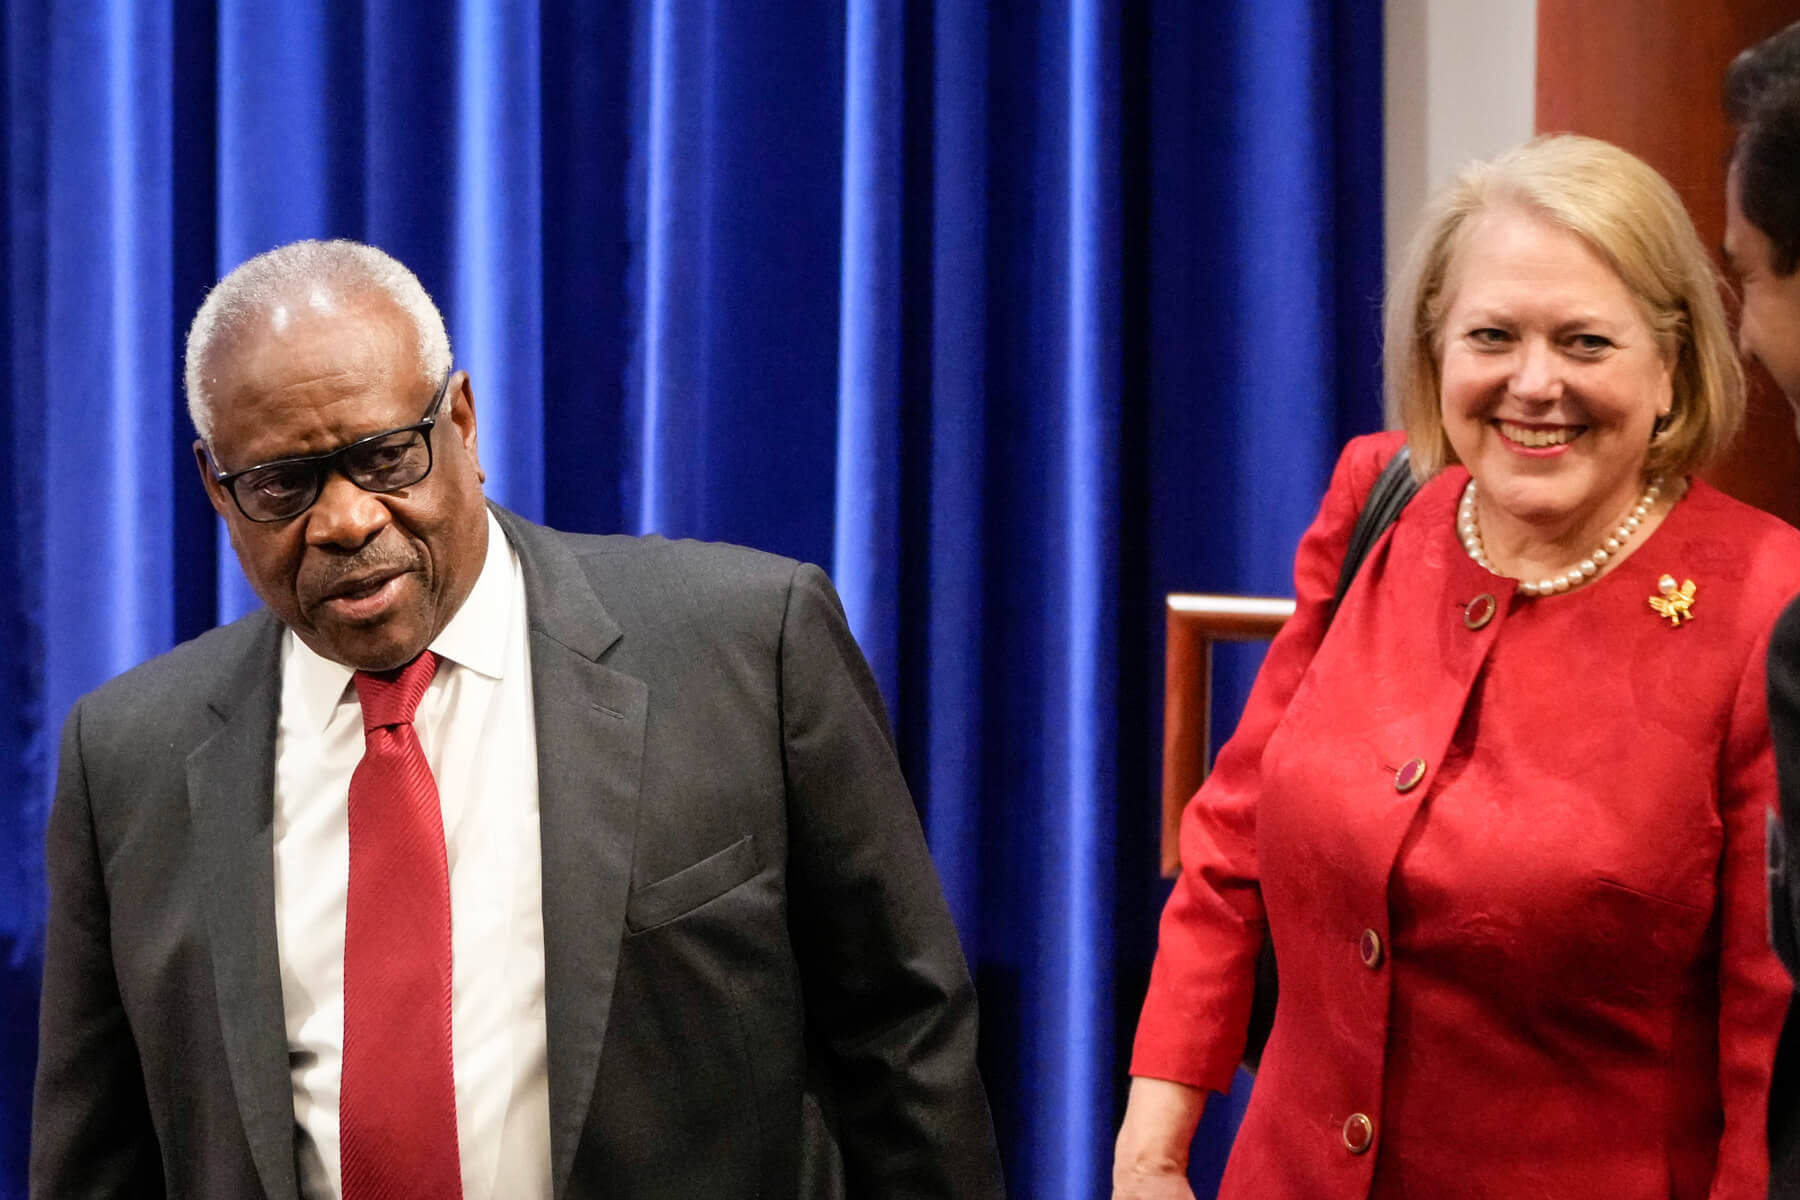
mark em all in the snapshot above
pixel 486 861
pixel 1762 250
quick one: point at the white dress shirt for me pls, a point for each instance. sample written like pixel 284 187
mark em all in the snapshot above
pixel 475 724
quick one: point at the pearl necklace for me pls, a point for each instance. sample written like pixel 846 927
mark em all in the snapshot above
pixel 1576 575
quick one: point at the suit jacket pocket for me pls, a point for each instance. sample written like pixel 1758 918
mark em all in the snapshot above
pixel 1633 945
pixel 687 889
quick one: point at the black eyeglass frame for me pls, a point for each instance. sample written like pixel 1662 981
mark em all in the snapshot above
pixel 332 460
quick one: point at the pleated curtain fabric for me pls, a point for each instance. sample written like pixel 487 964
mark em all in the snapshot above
pixel 1014 317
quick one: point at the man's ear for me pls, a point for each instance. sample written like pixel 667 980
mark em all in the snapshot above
pixel 214 493
pixel 462 418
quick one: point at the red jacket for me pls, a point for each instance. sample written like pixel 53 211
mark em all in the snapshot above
pixel 1543 970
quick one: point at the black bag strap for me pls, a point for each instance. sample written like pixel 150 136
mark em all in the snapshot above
pixel 1393 488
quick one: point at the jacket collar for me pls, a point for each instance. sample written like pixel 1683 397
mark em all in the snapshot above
pixel 590 721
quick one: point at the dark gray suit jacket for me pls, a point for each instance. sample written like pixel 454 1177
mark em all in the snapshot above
pixel 1784 899
pixel 752 980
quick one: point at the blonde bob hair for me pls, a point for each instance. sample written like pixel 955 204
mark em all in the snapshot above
pixel 1631 218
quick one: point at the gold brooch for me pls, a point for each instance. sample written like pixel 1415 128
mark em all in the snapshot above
pixel 1675 603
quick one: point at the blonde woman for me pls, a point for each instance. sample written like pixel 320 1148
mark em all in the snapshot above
pixel 1504 823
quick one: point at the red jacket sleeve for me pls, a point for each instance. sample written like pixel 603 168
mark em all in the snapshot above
pixel 1192 1029
pixel 1753 988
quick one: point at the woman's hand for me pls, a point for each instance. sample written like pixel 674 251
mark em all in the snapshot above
pixel 1150 1158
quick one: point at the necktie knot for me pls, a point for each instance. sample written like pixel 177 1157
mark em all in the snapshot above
pixel 392 697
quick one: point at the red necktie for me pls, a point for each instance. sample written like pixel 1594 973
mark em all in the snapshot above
pixel 397 1107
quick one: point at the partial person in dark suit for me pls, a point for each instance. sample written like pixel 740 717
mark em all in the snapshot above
pixel 1762 251
pixel 621 893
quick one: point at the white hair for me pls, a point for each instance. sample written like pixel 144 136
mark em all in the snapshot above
pixel 342 267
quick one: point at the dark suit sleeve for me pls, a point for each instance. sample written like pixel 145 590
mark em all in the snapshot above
pixel 1784 892
pixel 1784 728
pixel 888 995
pixel 91 1134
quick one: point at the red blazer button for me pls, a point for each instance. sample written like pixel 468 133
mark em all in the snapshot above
pixel 1359 1133
pixel 1407 777
pixel 1480 611
pixel 1370 948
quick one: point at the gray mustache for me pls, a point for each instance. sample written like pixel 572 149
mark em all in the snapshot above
pixel 368 561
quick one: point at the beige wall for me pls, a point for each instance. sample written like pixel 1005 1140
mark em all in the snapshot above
pixel 1461 84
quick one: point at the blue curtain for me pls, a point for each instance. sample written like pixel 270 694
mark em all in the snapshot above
pixel 1013 316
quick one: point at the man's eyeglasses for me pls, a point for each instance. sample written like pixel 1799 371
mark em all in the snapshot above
pixel 381 462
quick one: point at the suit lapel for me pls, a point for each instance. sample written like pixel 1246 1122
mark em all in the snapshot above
pixel 590 740
pixel 231 800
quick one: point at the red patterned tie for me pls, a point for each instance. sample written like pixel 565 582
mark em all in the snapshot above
pixel 397 1108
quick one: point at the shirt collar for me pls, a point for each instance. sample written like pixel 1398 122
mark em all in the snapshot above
pixel 313 685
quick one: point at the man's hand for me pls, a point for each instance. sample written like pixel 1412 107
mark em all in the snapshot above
pixel 1150 1158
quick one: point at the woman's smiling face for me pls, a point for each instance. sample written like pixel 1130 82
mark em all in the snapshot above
pixel 1551 381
